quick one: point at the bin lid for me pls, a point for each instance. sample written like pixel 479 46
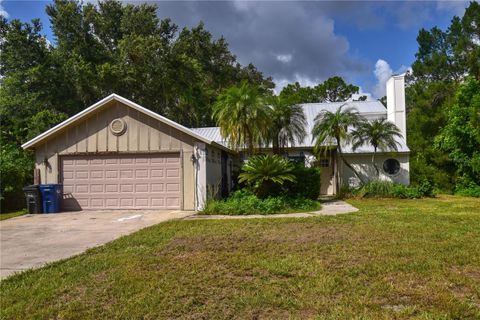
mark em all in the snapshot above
pixel 33 187
pixel 50 185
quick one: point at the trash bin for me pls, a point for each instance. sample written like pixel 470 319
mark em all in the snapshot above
pixel 34 199
pixel 51 197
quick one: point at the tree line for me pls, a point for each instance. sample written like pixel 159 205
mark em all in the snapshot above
pixel 187 75
pixel 443 105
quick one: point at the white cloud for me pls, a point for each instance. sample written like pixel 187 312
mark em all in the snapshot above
pixel 285 58
pixel 303 80
pixel 362 93
pixel 382 72
pixel 3 12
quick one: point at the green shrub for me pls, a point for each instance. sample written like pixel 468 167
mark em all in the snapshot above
pixel 376 188
pixel 307 183
pixel 471 191
pixel 16 171
pixel 266 174
pixel 387 189
pixel 243 202
pixel 405 192
pixel 345 191
pixel 426 188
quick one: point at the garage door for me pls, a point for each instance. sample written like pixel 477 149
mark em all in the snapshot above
pixel 121 182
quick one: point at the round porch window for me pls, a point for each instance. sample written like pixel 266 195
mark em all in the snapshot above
pixel 391 166
pixel 118 126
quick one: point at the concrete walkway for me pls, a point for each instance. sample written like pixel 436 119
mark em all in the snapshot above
pixel 35 239
pixel 329 208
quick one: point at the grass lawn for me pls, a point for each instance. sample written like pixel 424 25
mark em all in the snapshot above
pixel 392 259
pixel 4 216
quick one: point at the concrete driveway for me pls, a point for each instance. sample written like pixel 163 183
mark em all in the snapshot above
pixel 33 240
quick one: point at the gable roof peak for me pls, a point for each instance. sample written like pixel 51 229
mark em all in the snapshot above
pixel 125 101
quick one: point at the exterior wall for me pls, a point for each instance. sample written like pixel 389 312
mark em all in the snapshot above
pixel 92 135
pixel 363 164
pixel 209 173
pixel 396 103
pixel 214 172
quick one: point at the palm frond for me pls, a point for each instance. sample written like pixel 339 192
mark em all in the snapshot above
pixel 380 133
pixel 289 122
pixel 334 127
pixel 242 115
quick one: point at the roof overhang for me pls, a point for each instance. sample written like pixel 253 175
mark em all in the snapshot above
pixel 378 152
pixel 115 97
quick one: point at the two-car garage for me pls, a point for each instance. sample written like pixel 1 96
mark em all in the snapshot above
pixel 128 181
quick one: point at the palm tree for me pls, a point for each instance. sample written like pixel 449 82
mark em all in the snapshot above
pixel 242 116
pixel 288 123
pixel 332 127
pixel 380 133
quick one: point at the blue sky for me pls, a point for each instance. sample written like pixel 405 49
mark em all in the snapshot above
pixel 304 41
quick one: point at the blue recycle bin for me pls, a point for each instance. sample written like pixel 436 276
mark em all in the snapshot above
pixel 51 197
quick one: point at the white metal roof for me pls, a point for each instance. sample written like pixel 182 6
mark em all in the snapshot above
pixel 211 133
pixel 369 109
pixel 127 102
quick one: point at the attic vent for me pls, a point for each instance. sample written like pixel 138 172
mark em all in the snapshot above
pixel 118 126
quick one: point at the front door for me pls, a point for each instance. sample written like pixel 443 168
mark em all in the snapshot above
pixel 327 177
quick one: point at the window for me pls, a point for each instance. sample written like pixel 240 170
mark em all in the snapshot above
pixel 391 166
pixel 324 163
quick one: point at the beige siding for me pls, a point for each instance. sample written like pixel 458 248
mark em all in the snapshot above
pixel 100 123
pixel 214 172
pixel 188 180
pixel 82 134
pixel 92 135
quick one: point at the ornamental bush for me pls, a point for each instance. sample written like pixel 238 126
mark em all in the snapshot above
pixel 266 174
pixel 243 202
pixel 307 183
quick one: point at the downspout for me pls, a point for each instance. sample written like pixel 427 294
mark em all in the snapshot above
pixel 199 160
pixel 195 177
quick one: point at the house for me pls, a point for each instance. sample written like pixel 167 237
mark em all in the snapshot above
pixel 117 154
pixel 394 165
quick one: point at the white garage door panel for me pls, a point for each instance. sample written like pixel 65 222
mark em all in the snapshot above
pixel 143 181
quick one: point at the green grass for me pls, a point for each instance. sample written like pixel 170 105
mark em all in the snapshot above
pixel 399 259
pixel 5 216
